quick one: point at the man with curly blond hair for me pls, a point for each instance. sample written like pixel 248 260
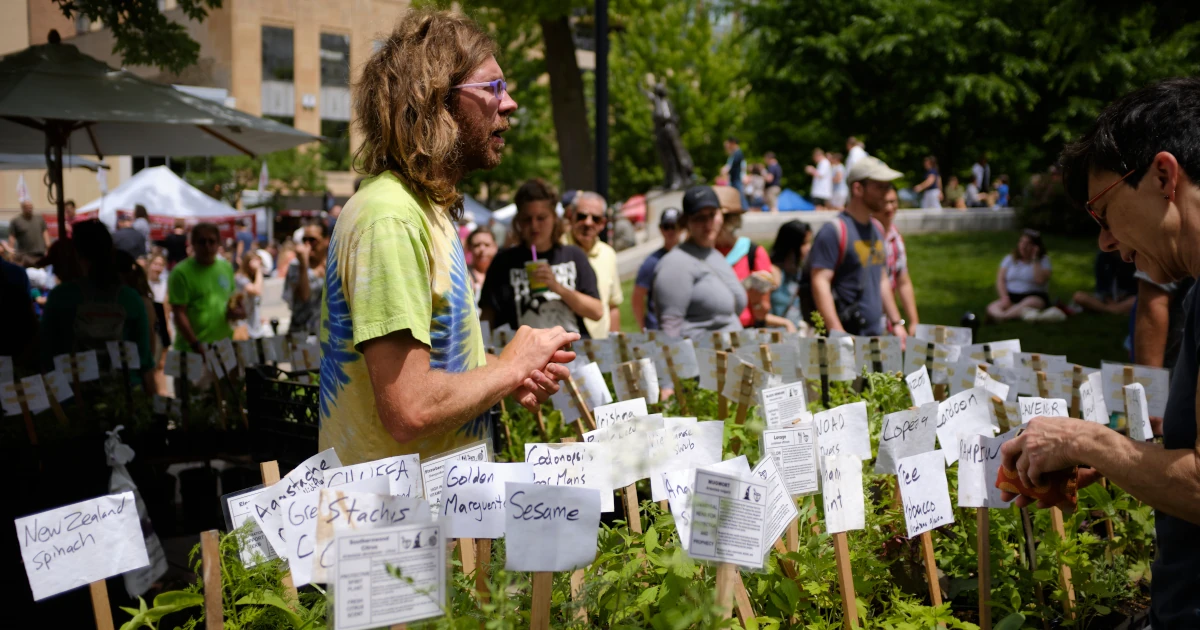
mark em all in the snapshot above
pixel 403 366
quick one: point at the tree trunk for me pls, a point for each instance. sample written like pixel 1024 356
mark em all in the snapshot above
pixel 568 106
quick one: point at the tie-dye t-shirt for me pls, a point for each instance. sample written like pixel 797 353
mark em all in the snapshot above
pixel 394 264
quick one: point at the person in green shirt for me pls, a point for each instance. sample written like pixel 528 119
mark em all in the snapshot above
pixel 199 289
pixel 85 313
pixel 403 365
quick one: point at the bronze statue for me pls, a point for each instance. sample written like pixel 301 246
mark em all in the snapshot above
pixel 676 161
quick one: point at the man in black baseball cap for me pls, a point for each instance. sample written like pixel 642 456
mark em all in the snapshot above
pixel 643 299
pixel 695 290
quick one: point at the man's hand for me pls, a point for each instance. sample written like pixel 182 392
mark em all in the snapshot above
pixel 303 250
pixel 533 355
pixel 902 333
pixel 1044 446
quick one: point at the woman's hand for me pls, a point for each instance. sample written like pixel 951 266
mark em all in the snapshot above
pixel 545 275
pixel 1005 301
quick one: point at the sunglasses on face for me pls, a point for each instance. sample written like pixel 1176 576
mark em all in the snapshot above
pixel 498 86
pixel 1090 207
pixel 583 217
pixel 309 240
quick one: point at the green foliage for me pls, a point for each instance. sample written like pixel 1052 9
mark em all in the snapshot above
pixel 292 171
pixel 955 79
pixel 142 35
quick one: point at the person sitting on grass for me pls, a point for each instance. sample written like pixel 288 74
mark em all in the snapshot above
pixel 1116 286
pixel 1023 280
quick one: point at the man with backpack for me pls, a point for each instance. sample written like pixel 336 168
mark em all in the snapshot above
pixel 847 264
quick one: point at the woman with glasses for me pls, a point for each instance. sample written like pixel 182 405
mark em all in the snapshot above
pixel 303 293
pixel 1023 280
pixel 1136 172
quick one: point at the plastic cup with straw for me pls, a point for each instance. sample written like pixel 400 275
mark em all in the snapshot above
pixel 536 287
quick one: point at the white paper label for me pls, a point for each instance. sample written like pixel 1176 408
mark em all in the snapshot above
pixel 794 450
pixel 83 364
pixel 842 494
pixel 1033 407
pixel 919 387
pixel 550 528
pixel 784 404
pixel 957 335
pixel 884 351
pixel 241 510
pixel 843 431
pixel 1156 382
pixel 968 413
pixel 369 597
pixel 979 460
pixel 728 517
pixel 77 544
pixel 925 493
pixel 123 355
pixel 1091 399
pixel 341 511
pixel 473 497
pixel 906 433
pixel 31 388
pixel 400 471
pixel 434 470
pixel 680 483
pixel 579 464
pixel 680 446
pixel 309 476
pixel 618 412
pixel 1137 413
pixel 781 509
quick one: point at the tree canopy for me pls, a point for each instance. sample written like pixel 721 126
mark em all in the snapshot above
pixel 142 35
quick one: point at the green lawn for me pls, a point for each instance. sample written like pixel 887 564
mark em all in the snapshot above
pixel 956 273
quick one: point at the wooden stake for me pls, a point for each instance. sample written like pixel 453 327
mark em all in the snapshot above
pixel 725 576
pixel 722 402
pixel 1042 385
pixel 793 535
pixel 270 476
pixel 983 549
pixel 539 615
pixel 584 412
pixel 466 553
pixel 483 564
pixel 876 356
pixel 633 511
pixel 622 347
pixel 789 567
pixel 776 336
pixel 745 394
pixel 764 352
pixel 577 595
pixel 1031 555
pixel 631 379
pixel 1001 414
pixel 675 380
pixel 101 609
pixel 210 554
pixel 1056 521
pixel 541 423
pixel 935 588
pixel 745 610
pixel 841 553
pixel 823 369
pixel 28 416
pixel 1077 379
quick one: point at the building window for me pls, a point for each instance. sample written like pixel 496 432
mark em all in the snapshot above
pixel 335 60
pixel 335 150
pixel 278 55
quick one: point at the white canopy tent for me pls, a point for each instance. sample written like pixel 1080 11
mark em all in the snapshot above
pixel 166 198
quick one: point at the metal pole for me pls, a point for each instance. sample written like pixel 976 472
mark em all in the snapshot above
pixel 59 138
pixel 602 97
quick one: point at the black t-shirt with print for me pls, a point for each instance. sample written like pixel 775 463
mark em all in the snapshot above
pixel 506 289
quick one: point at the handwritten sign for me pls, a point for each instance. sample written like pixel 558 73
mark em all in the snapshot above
pixel 1138 414
pixel 644 382
pixel 994 387
pixel 341 512
pixel 1091 399
pixel 84 364
pixel 1033 407
pixel 979 460
pixel 77 544
pixel 681 483
pixel 794 449
pixel 680 446
pixel 31 389
pixel 920 388
pixel 239 510
pixel 884 351
pixel 433 471
pixel 584 465
pixel 309 476
pixel 618 412
pixel 306 555
pixel 550 528
pixel 400 471
pixel 925 493
pixel 842 493
pixel 968 413
pixel 118 351
pixel 843 431
pixel 629 447
pixel 473 497
pixel 1002 353
pixel 906 433
pixel 728 517
pixel 368 597
pixel 1156 382
pixel 783 405
pixel 957 335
